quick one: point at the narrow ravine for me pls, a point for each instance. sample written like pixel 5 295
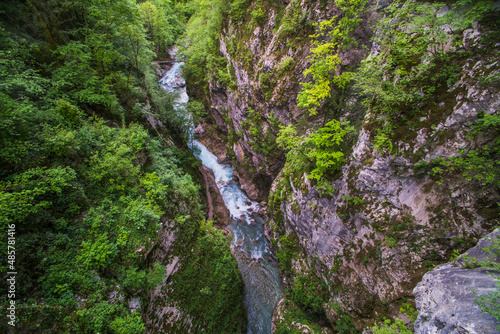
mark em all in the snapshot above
pixel 250 246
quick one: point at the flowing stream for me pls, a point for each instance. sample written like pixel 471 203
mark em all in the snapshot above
pixel 259 269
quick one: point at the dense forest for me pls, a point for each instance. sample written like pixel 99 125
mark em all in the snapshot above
pixel 87 181
pixel 369 131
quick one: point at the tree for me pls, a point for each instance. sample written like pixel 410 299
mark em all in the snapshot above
pixel 334 35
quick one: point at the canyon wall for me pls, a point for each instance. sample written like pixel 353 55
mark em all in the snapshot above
pixel 391 216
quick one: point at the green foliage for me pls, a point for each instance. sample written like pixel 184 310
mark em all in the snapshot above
pixel 293 21
pixel 201 41
pixel 309 292
pixel 293 319
pixel 419 60
pixel 475 11
pixel 197 110
pixel 162 22
pixel 320 149
pixel 491 303
pixel 130 324
pixel 391 242
pixel 381 142
pixel 96 255
pixel 288 138
pixel 86 185
pixel 258 15
pixel 480 165
pixel 98 317
pixel 389 327
pixel 343 323
pixel 412 57
pixel 264 143
pixel 209 285
pixel 323 142
pixel 238 9
pixel 454 255
pixel 285 64
pixel 333 36
pixel 353 200
pixel 398 325
pixel 287 252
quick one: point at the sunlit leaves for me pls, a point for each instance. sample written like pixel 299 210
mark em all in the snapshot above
pixel 324 142
pixel 129 324
pixel 288 138
pixel 162 23
pixel 333 36
pixel 321 148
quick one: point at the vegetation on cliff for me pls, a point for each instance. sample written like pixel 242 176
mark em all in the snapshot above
pixel 421 50
pixel 415 68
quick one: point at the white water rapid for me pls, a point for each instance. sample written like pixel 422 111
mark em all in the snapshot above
pixel 259 269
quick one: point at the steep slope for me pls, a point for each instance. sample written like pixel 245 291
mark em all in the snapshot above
pixel 265 61
pixel 99 195
pixel 418 179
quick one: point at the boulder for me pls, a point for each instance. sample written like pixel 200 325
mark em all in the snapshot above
pixel 446 296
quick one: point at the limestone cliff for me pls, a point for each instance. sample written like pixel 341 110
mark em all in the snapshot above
pixel 266 62
pixel 390 218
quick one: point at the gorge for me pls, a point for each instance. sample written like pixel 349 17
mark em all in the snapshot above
pixel 250 166
pixel 250 246
pixel 354 242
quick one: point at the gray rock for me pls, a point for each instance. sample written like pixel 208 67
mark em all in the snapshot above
pixel 346 243
pixel 446 301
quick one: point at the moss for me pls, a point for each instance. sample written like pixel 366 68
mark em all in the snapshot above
pixel 293 320
pixel 288 251
pixel 337 263
pixel 207 261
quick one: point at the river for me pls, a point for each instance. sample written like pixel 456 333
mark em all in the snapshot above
pixel 259 269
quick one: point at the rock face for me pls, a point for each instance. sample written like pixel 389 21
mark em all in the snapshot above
pixel 387 221
pixel 446 302
pixel 266 70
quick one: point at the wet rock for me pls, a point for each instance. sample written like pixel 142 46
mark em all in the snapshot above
pixel 208 136
pixel 217 209
pixel 199 130
pixel 255 186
